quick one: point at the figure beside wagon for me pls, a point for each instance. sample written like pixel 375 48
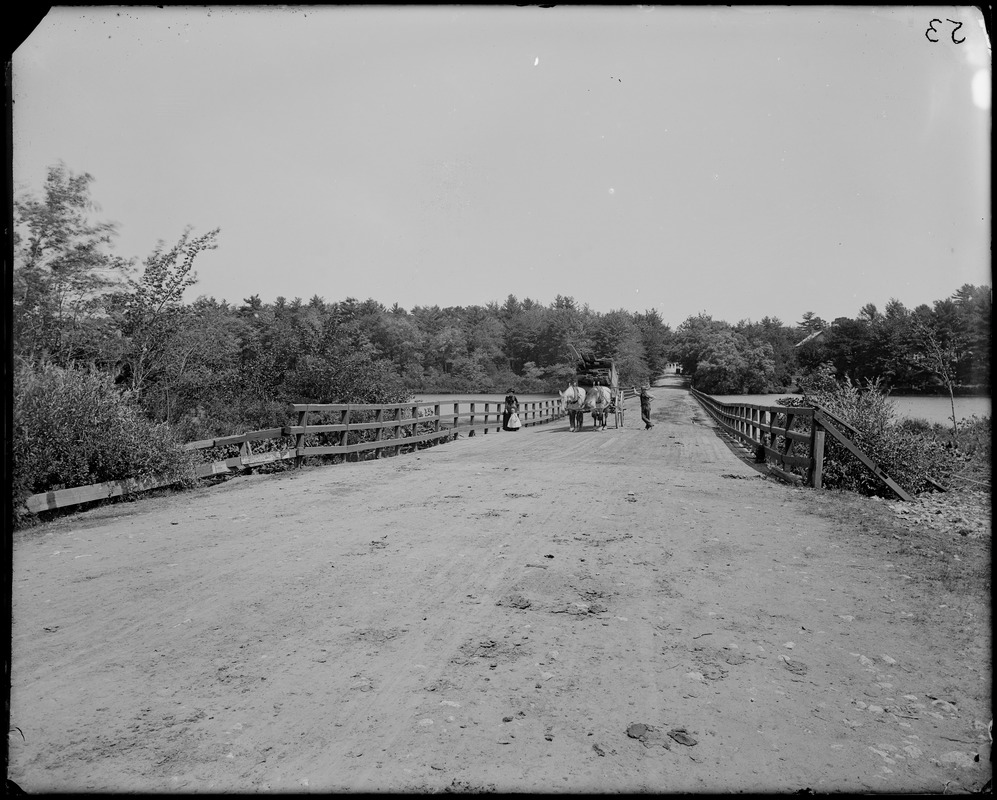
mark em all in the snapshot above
pixel 594 389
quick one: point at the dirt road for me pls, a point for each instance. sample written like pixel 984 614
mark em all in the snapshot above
pixel 625 610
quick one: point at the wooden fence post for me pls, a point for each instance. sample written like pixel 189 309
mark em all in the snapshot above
pixel 344 435
pixel 378 417
pixel 300 439
pixel 787 446
pixel 397 428
pixel 816 454
pixel 758 419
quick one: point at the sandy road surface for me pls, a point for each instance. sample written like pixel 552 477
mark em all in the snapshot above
pixel 495 613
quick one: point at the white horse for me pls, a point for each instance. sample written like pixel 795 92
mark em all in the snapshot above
pixel 574 398
pixel 599 399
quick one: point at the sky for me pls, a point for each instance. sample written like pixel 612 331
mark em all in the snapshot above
pixel 740 162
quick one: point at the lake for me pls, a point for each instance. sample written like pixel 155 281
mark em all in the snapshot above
pixel 933 409
pixel 478 399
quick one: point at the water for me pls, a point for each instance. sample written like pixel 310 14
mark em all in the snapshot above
pixel 464 400
pixel 933 409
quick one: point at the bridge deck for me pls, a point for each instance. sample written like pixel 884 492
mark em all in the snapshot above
pixel 684 437
pixel 491 613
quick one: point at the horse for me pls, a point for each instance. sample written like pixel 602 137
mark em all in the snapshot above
pixel 599 399
pixel 573 398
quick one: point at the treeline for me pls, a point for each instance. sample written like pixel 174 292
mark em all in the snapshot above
pixel 112 364
pixel 944 347
pixel 221 364
pixel 208 368
pixel 211 368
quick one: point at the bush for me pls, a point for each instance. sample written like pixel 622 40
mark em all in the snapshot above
pixel 915 427
pixel 900 449
pixel 217 418
pixel 730 364
pixel 73 427
pixel 350 378
pixel 962 459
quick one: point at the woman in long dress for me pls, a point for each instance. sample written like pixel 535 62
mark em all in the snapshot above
pixel 645 407
pixel 511 407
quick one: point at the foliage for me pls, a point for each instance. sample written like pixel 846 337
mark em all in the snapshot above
pixel 152 318
pixel 352 378
pixel 62 271
pixel 151 314
pixel 938 353
pixel 691 338
pixel 730 364
pixel 973 305
pixel 781 341
pixel 851 348
pixel 811 323
pixel 73 427
pixel 946 344
pixel 962 459
pixel 907 458
pixel 820 381
pixel 655 337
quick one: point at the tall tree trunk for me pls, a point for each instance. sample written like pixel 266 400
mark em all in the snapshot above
pixel 955 426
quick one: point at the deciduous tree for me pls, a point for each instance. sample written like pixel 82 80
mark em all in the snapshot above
pixel 152 315
pixel 63 271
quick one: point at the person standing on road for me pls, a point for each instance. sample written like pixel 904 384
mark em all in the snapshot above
pixel 511 407
pixel 645 407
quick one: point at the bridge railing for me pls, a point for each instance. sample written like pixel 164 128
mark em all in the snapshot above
pixel 342 429
pixel 776 435
pixel 360 427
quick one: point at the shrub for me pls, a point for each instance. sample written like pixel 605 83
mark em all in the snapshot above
pixel 974 438
pixel 963 458
pixel 899 448
pixel 730 364
pixel 73 427
pixel 217 418
pixel 915 426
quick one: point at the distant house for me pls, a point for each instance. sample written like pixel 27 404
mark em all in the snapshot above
pixel 810 338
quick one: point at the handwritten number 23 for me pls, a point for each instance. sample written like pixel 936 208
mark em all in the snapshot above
pixel 932 29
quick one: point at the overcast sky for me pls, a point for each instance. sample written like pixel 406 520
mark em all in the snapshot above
pixel 743 162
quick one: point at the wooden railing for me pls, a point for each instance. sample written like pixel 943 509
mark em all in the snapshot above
pixel 355 428
pixel 246 457
pixel 777 433
pixel 392 428
pixel 770 433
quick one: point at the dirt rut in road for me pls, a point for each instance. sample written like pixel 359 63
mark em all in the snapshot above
pixel 624 610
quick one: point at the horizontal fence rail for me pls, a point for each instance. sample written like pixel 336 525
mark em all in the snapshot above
pixel 64 498
pixel 770 433
pixel 777 433
pixel 424 422
pixel 322 430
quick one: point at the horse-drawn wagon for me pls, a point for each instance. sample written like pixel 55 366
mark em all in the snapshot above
pixel 598 379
